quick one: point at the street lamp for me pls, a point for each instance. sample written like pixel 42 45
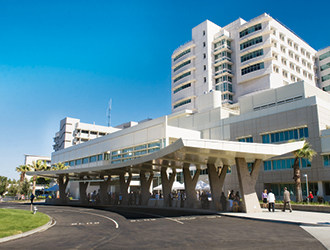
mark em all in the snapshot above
pixel 305 175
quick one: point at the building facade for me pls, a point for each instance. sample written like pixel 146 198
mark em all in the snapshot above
pixel 253 82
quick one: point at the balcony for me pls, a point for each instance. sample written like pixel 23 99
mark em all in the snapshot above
pixel 222 48
pixel 222 60
pixel 223 72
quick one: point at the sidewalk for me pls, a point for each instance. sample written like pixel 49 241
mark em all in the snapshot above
pixel 301 218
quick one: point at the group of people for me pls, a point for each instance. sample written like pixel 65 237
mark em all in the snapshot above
pixel 270 199
pixel 116 198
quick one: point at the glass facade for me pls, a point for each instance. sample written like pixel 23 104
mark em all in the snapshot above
pixel 285 135
pixel 182 87
pixel 285 164
pixel 251 42
pixel 252 68
pixel 325 66
pixel 326 88
pixel 325 55
pixel 182 103
pixel 252 55
pixel 181 54
pixel 246 139
pixel 181 65
pixel 182 76
pixel 326 161
pixel 250 30
pixel 325 78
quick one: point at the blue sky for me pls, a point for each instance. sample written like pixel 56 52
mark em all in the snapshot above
pixel 68 58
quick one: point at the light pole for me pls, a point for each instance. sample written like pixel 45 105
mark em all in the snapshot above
pixel 307 193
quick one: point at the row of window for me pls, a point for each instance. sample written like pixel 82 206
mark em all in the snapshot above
pixel 85 160
pixel 246 139
pixel 251 42
pixel 326 88
pixel 250 30
pixel 182 103
pixel 222 42
pixel 273 104
pixel 223 66
pixel 285 164
pixel 182 76
pixel 325 66
pixel 325 55
pixel 285 135
pixel 325 78
pixel 181 54
pixel 223 54
pixel 252 68
pixel 224 78
pixel 226 86
pixel 181 88
pixel 181 65
pixel 252 55
pixel 227 97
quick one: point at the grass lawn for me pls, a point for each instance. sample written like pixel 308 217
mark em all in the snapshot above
pixel 15 221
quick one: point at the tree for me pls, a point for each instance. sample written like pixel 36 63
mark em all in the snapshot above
pixel 305 152
pixel 3 184
pixel 59 166
pixel 23 169
pixel 25 187
pixel 13 190
pixel 37 166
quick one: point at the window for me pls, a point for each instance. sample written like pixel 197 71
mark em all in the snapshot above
pixel 325 78
pixel 203 32
pixel 140 152
pixel 102 134
pixel 285 135
pixel 283 61
pixel 115 152
pixel 326 161
pixel 116 157
pixel 285 74
pixel 252 68
pixel 246 139
pixel 204 55
pixel 325 66
pixel 292 66
pixel 204 67
pixel 181 65
pixel 275 56
pixel 182 87
pixel 250 30
pixel 71 163
pixel 182 76
pixel 226 86
pixel 182 103
pixel 84 131
pixel 181 54
pixel 308 55
pixel 204 79
pixel 140 147
pixel 282 37
pixel 290 42
pixel 85 160
pixel 252 55
pixel 78 162
pixel 295 46
pixel 99 157
pixel 106 156
pixel 251 42
pixel 283 49
pixel 204 44
pixel 276 69
pixel 298 69
pixel 92 158
pixel 326 88
pixel 290 54
pixel 325 55
pixel 302 51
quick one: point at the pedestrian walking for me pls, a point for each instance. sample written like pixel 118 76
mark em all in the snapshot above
pixel 286 199
pixel 32 198
pixel 271 201
pixel 264 198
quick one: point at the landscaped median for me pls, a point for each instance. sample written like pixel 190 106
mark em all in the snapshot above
pixel 16 221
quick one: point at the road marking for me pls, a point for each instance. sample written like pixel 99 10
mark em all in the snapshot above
pixel 108 218
pixel 88 223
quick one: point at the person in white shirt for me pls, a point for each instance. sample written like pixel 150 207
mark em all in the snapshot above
pixel 271 201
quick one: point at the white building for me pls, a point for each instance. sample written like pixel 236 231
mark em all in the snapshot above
pixel 238 59
pixel 324 68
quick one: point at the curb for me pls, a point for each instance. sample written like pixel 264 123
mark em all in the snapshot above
pixel 277 221
pixel 50 223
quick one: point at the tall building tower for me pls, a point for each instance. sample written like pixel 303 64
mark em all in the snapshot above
pixel 238 59
pixel 324 68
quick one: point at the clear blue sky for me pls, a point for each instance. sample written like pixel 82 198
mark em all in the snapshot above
pixel 68 58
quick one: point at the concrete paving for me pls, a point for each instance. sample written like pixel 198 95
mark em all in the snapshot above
pixel 315 223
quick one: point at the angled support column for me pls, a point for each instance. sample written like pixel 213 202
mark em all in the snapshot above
pixel 145 186
pixel 124 187
pixel 247 182
pixel 167 184
pixel 82 192
pixel 62 186
pixel 103 190
pixel 190 184
pixel 217 179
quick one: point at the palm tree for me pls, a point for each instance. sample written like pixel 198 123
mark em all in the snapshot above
pixel 305 152
pixel 59 166
pixel 23 169
pixel 37 166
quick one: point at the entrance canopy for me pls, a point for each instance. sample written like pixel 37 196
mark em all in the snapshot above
pixel 193 151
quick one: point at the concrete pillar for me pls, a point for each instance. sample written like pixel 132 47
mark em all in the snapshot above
pixel 216 179
pixel 104 191
pixel 320 189
pixel 247 182
pixel 124 187
pixel 62 186
pixel 145 186
pixel 167 184
pixel 190 184
pixel 82 192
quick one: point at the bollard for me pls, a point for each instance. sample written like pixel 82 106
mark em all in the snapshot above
pixel 35 210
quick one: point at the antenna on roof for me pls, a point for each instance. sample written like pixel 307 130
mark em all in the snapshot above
pixel 109 113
